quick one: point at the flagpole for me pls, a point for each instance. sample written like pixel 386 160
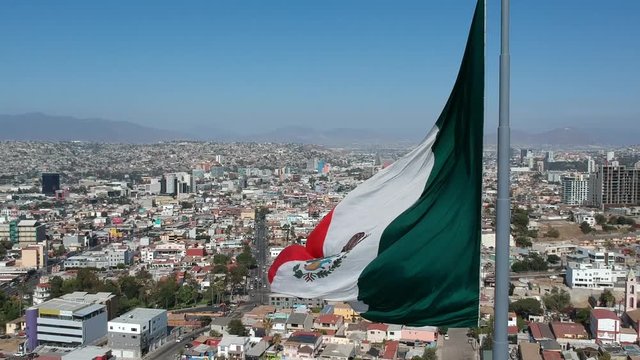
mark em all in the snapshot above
pixel 503 205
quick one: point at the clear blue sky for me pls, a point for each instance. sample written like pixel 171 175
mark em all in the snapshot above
pixel 255 65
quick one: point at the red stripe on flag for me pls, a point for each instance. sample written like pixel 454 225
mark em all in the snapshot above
pixel 290 253
pixel 315 240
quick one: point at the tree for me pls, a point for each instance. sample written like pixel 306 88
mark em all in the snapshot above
pixel 429 354
pixel 59 251
pixel 526 307
pixel 532 262
pixel 237 328
pixel 520 218
pixel 552 233
pixel 553 259
pixel 557 300
pixel 607 299
pixel 523 241
pixel 220 259
pixel 600 219
pixel 582 315
pixel 585 228
pixel 443 330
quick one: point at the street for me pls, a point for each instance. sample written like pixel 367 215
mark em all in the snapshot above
pixel 457 346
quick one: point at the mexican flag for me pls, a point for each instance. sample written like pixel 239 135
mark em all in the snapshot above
pixel 404 246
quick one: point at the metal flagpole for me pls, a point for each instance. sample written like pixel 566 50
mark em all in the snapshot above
pixel 503 206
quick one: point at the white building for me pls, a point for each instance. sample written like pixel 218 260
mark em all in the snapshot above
pixel 595 276
pixel 233 347
pixel 275 251
pixel 119 254
pixel 65 323
pixel 136 333
pixel 575 190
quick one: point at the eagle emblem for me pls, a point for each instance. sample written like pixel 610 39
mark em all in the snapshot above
pixel 320 268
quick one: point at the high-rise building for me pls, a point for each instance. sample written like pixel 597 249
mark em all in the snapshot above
pixel 591 165
pixel 548 157
pixel 611 155
pixel 9 231
pixel 614 186
pixel 575 190
pixel 30 232
pixel 50 183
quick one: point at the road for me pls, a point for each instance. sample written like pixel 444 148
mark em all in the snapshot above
pixel 171 349
pixel 261 286
pixel 457 346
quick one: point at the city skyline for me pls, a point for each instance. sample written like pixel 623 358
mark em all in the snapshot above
pixel 329 65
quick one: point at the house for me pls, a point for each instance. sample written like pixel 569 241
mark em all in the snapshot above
pixel 346 311
pixel 13 327
pixel 338 352
pixel 302 345
pixel 328 324
pixel 257 351
pixel 390 350
pixel 570 333
pixel 394 332
pixel 279 325
pixel 377 333
pixel 299 322
pixel 233 347
pixel 220 324
pixel 605 326
pixel 424 334
pixel 540 331
pixel 530 351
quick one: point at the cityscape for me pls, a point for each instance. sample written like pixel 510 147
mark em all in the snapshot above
pixel 336 180
pixel 160 251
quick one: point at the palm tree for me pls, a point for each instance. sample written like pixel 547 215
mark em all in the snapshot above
pixel 268 325
pixel 276 339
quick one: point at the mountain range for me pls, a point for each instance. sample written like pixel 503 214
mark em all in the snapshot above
pixel 43 127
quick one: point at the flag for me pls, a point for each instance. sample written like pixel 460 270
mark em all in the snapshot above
pixel 404 246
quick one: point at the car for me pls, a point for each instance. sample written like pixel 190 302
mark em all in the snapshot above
pixel 446 336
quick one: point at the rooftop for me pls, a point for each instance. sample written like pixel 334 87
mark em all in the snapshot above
pixel 138 316
pixel 75 308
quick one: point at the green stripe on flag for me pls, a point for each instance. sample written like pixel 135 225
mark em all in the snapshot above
pixel 428 263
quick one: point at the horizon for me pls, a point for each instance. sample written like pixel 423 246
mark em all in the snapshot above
pixel 374 65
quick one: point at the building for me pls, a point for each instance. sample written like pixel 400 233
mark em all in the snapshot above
pixel 302 345
pixel 65 323
pixel 597 276
pixel 30 232
pixel 50 183
pixel 338 352
pixel 299 322
pixel 119 254
pixel 327 323
pixel 631 288
pixel 103 298
pixel 233 347
pixel 281 301
pixel 605 326
pixel 34 256
pixel 136 333
pixel 614 186
pixel 41 293
pixel 9 231
pixel 575 190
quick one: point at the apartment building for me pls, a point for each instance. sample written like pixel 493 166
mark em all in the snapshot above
pixel 30 232
pixel 65 323
pixel 614 186
pixel 137 332
pixel 281 301
pixel 575 189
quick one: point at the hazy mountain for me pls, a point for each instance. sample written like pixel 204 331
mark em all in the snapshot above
pixel 42 127
pixel 569 136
